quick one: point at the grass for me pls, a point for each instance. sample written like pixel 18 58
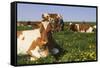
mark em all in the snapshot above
pixel 23 28
pixel 76 47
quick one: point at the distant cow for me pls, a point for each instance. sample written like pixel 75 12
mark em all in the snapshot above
pixel 82 27
pixel 37 42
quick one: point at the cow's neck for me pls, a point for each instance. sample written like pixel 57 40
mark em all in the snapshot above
pixel 45 24
pixel 46 28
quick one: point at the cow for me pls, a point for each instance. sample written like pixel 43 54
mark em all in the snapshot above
pixel 37 42
pixel 82 27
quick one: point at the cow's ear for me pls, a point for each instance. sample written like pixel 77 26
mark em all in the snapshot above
pixel 42 15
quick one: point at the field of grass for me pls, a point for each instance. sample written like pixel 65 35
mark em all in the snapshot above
pixel 76 47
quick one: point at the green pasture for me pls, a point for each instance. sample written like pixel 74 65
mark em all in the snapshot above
pixel 75 47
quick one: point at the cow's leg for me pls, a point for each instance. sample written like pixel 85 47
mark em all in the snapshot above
pixel 32 47
pixel 39 42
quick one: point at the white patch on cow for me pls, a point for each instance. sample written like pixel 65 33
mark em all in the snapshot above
pixel 89 30
pixel 55 51
pixel 29 37
pixel 35 52
pixel 77 25
pixel 45 24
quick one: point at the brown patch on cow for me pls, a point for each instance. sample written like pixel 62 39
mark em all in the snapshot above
pixel 83 27
pixel 53 15
pixel 73 27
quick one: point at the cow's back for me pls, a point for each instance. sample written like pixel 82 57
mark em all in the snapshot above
pixel 25 40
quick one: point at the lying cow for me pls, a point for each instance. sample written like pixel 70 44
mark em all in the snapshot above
pixel 82 27
pixel 37 42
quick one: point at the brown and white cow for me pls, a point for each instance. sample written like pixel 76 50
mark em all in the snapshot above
pixel 82 27
pixel 36 42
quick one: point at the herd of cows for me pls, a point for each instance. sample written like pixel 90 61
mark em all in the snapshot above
pixel 39 42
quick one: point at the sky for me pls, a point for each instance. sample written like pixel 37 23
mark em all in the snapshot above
pixel 33 12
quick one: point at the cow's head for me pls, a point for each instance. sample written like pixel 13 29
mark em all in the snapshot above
pixel 45 17
pixel 52 18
